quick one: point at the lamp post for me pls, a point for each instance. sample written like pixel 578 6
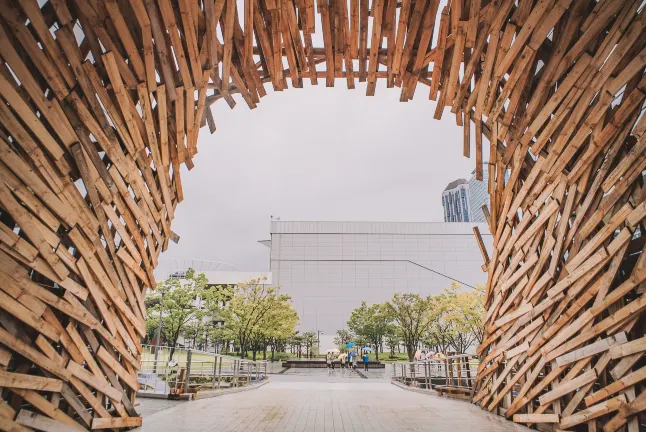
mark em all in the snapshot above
pixel 159 327
pixel 318 339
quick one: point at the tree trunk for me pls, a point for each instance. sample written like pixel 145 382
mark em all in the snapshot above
pixel 253 350
pixel 410 350
pixel 173 345
pixel 377 352
pixel 272 353
pixel 264 354
pixel 243 350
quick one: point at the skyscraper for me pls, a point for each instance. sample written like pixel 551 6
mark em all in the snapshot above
pixel 479 194
pixel 455 200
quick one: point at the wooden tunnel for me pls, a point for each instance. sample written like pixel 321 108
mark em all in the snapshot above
pixel 102 101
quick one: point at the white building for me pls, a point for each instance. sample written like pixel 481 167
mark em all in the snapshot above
pixel 330 267
pixel 455 200
pixel 479 194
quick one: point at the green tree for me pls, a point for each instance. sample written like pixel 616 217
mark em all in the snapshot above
pixel 371 323
pixel 393 339
pixel 283 325
pixel 181 303
pixel 309 339
pixel 413 315
pixel 251 307
pixel 464 315
pixel 343 337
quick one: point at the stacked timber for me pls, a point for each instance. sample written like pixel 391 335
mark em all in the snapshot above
pixel 101 102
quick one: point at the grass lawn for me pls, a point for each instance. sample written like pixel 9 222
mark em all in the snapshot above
pixel 385 357
pixel 179 355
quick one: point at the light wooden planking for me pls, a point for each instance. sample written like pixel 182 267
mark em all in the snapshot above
pixel 97 117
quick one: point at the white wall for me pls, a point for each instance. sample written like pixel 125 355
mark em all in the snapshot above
pixel 330 267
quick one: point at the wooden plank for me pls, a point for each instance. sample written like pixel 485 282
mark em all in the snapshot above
pixel 41 422
pixel 29 382
pixel 115 422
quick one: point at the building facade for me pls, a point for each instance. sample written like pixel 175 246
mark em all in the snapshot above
pixel 329 268
pixel 479 194
pixel 455 200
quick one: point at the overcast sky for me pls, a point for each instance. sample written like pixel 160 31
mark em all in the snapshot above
pixel 315 153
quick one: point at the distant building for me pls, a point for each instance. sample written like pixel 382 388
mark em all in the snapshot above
pixel 479 194
pixel 455 200
pixel 329 268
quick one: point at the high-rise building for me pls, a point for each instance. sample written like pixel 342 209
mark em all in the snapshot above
pixel 455 200
pixel 479 194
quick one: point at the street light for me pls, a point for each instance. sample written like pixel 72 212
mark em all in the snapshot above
pixel 162 289
pixel 318 339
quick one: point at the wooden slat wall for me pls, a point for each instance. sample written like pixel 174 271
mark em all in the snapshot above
pixel 101 103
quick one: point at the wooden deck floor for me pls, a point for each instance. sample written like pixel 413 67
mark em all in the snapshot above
pixel 327 403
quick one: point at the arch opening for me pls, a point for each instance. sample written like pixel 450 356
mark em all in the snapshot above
pixel 111 96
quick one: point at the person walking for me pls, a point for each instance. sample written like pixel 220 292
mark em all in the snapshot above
pixel 365 361
pixel 329 364
pixel 354 361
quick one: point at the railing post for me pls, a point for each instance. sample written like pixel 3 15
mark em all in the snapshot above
pixel 458 366
pixel 220 373
pixel 426 375
pixel 235 373
pixel 215 368
pixel 249 374
pixel 189 356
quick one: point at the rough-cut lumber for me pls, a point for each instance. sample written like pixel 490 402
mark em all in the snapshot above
pixel 101 102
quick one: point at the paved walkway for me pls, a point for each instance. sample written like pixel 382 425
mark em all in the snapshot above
pixel 312 400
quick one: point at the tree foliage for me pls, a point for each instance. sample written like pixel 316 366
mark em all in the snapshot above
pixel 181 305
pixel 343 337
pixel 253 313
pixel 371 323
pixel 413 315
pixel 453 320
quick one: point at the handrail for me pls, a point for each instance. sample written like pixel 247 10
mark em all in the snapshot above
pixel 187 374
pixel 455 374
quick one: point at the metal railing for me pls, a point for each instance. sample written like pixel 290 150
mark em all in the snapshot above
pixel 458 372
pixel 190 371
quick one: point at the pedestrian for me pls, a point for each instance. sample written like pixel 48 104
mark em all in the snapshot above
pixel 365 361
pixel 354 361
pixel 329 363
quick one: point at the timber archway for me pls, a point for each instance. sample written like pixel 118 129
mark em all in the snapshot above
pixel 102 100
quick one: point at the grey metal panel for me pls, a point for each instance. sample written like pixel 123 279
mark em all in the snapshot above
pixel 330 267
